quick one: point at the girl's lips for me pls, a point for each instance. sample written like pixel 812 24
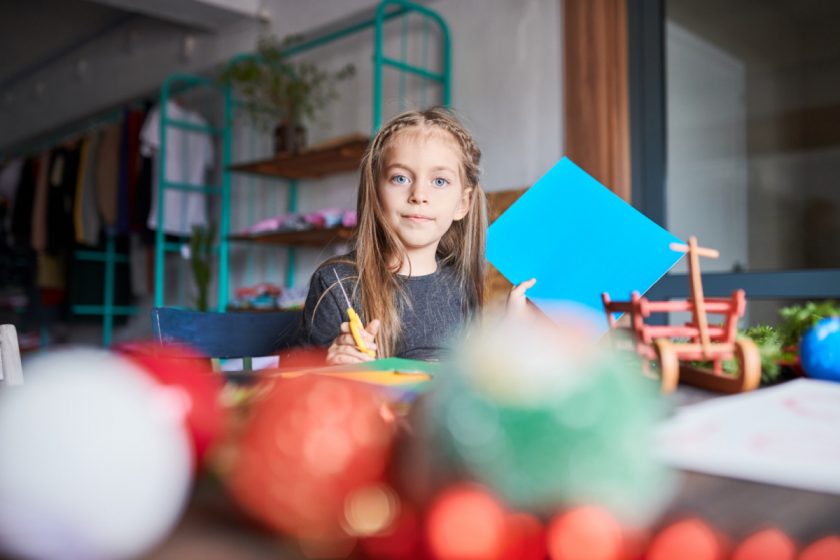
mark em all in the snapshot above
pixel 416 218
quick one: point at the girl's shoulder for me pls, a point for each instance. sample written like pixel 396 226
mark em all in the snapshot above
pixel 343 265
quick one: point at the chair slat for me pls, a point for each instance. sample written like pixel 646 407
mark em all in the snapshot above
pixel 227 335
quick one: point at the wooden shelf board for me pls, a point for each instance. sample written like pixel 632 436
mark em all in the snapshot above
pixel 309 237
pixel 335 156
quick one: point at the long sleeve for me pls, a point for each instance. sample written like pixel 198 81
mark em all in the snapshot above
pixel 325 308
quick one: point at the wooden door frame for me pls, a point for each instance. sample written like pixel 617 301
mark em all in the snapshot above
pixel 596 85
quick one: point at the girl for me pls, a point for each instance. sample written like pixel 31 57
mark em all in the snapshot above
pixel 416 274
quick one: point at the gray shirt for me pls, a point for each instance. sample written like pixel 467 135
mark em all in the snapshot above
pixel 435 312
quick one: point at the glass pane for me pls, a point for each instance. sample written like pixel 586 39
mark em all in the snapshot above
pixel 753 131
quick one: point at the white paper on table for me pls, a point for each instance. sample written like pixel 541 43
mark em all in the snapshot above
pixel 787 435
pixel 257 363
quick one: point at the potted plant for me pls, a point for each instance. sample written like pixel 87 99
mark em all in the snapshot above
pixel 201 251
pixel 281 92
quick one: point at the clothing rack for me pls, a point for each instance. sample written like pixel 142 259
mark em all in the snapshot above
pixel 109 256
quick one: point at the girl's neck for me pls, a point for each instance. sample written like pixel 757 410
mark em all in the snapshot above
pixel 419 263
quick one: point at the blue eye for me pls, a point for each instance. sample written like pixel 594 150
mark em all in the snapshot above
pixel 440 182
pixel 399 180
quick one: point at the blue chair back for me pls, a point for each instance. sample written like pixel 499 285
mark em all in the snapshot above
pixel 228 335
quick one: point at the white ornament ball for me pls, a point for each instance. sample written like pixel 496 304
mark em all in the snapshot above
pixel 94 459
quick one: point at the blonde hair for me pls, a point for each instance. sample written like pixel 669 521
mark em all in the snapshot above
pixel 379 253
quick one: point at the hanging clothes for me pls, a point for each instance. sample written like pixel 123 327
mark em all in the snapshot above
pixel 129 169
pixel 188 158
pixel 61 194
pixel 143 203
pixel 10 176
pixel 24 200
pixel 86 215
pixel 78 224
pixel 108 173
pixel 39 206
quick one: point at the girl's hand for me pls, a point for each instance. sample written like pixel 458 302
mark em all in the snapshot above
pixel 517 304
pixel 343 349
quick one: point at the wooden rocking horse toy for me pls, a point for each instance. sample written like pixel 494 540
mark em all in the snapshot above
pixel 697 340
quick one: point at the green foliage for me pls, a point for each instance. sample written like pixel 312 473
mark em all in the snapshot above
pixel 276 88
pixel 797 319
pixel 201 249
pixel 781 345
pixel 769 344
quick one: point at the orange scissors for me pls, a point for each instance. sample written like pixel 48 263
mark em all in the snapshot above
pixel 355 322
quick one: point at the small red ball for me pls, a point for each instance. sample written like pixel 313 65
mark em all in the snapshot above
pixel 585 533
pixel 690 539
pixel 827 548
pixel 769 544
pixel 466 523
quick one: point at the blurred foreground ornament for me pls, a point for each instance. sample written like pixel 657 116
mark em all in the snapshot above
pixel 826 548
pixel 311 458
pixel 546 419
pixel 689 539
pixel 402 540
pixel 466 523
pixel 819 350
pixel 525 538
pixel 197 387
pixel 95 459
pixel 768 544
pixel 585 533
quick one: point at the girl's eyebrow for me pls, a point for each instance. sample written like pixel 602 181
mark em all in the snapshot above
pixel 407 168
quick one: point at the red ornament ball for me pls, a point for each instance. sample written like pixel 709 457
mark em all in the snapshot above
pixel 310 443
pixel 525 538
pixel 195 388
pixel 401 541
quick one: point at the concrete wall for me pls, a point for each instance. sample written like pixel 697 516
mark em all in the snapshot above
pixel 133 59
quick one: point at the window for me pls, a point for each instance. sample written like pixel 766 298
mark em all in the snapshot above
pixel 735 110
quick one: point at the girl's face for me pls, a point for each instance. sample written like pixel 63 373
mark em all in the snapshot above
pixel 420 188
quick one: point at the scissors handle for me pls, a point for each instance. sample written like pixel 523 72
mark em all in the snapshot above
pixel 356 331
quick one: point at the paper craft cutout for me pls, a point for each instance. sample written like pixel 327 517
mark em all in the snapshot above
pixel 578 239
pixel 386 372
pixel 785 435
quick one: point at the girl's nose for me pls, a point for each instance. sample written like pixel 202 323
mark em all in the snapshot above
pixel 418 194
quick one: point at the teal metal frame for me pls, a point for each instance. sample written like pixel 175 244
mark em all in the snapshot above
pixel 108 310
pixel 175 84
pixel 386 11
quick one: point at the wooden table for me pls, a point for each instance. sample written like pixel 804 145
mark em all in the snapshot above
pixel 214 528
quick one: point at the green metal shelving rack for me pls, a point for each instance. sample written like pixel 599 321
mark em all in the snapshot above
pixel 110 259
pixel 386 11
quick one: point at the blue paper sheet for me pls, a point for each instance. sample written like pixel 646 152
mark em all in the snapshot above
pixel 578 239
